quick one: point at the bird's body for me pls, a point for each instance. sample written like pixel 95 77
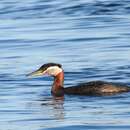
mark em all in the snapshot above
pixel 90 88
pixel 98 88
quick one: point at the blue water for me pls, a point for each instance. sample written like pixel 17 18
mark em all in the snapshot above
pixel 91 39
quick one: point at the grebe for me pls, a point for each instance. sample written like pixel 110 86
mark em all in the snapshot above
pixel 90 88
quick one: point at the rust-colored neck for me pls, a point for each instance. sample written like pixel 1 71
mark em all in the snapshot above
pixel 58 82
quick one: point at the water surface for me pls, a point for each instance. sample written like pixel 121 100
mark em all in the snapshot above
pixel 89 38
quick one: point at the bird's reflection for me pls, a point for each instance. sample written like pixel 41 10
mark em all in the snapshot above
pixel 57 106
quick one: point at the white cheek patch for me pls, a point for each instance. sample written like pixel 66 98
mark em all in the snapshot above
pixel 54 70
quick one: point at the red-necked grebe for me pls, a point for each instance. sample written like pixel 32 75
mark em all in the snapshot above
pixel 90 88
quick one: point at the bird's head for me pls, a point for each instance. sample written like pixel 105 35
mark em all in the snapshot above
pixel 51 69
